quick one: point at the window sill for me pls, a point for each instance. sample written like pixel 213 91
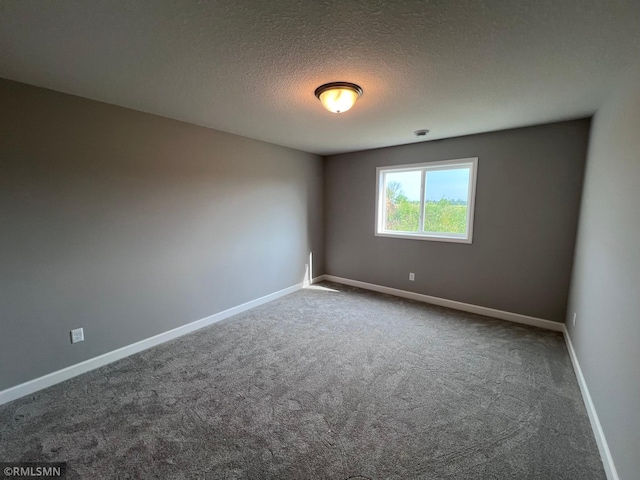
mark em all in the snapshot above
pixel 432 238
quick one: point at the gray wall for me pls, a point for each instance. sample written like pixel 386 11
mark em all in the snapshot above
pixel 605 290
pixel 129 224
pixel 527 202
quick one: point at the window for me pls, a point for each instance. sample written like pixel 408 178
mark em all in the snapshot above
pixel 427 201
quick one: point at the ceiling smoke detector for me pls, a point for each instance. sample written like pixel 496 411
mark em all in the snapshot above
pixel 421 133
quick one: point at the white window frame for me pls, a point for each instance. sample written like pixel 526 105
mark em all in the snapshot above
pixel 423 168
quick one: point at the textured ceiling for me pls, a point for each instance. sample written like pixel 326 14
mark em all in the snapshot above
pixel 250 67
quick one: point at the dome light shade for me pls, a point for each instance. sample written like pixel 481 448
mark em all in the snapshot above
pixel 338 97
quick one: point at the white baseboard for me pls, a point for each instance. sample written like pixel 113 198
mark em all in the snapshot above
pixel 50 379
pixel 603 446
pixel 443 302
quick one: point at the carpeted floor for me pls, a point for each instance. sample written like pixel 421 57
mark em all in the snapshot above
pixel 330 382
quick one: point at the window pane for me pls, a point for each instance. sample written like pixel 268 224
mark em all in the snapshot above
pixel 402 202
pixel 446 198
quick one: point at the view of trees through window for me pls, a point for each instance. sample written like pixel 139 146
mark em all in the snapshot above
pixel 446 199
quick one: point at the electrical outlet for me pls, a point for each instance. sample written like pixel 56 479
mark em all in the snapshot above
pixel 412 276
pixel 77 335
pixel 574 318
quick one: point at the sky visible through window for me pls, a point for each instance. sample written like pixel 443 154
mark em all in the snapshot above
pixel 451 184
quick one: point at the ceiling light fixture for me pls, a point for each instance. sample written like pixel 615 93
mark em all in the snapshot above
pixel 338 97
